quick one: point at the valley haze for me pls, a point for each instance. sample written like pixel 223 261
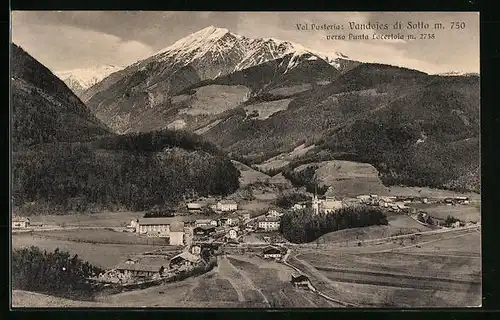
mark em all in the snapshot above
pixel 245 159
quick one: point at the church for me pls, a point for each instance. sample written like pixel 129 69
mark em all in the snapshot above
pixel 325 205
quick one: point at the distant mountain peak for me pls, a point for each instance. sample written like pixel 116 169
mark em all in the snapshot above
pixel 218 43
pixel 84 78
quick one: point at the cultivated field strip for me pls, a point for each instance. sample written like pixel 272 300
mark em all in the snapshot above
pixel 398 276
pixel 391 281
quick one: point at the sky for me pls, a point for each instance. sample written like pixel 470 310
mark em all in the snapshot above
pixel 65 40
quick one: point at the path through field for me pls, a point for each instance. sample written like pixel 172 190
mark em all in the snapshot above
pixel 239 280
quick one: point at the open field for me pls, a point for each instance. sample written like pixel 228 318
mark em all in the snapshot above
pixel 101 219
pixel 101 255
pixel 26 299
pixel 429 192
pixel 267 109
pixel 439 270
pixel 466 213
pixel 398 224
pixel 347 178
pixel 284 159
pixel 249 175
pixel 213 99
pixel 102 236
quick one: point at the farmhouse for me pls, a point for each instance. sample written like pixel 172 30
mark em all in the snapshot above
pixel 154 226
pixel 194 206
pixel 271 252
pixel 203 222
pixel 301 281
pixel 184 259
pixel 298 206
pixel 274 213
pixel 176 235
pixel 269 224
pixel 227 205
pixel 20 222
pixel 232 234
pixel 204 231
pixel 131 261
pixel 232 221
pixel 196 250
pixel 139 270
pixel 221 222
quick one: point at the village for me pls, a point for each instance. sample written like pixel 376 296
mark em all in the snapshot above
pixel 200 241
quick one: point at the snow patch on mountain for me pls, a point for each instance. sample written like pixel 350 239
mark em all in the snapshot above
pixel 87 77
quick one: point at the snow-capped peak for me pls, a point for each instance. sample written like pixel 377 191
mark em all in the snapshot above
pixel 87 77
pixel 204 36
pixel 219 44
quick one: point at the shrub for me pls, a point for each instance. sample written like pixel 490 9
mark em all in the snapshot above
pixel 54 273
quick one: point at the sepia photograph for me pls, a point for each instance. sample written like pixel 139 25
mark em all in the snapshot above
pixel 266 160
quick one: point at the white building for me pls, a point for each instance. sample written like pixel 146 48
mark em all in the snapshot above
pixel 176 235
pixel 196 250
pixel 232 221
pixel 274 213
pixel 227 205
pixel 298 206
pixel 20 222
pixel 232 234
pixel 269 224
pixel 194 206
pixel 154 226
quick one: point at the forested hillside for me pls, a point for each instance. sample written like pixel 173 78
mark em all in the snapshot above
pixel 65 160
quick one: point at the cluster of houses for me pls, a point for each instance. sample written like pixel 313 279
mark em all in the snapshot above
pixel 133 270
pixel 269 222
pixel 456 201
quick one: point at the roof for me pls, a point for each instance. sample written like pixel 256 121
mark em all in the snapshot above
pixel 203 221
pixel 227 202
pixel 20 219
pixel 186 256
pixel 177 226
pixel 300 278
pixel 137 267
pixel 204 228
pixel 271 250
pixel 156 221
pixel 270 219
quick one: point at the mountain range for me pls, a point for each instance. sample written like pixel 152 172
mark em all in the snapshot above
pixel 79 80
pixel 257 99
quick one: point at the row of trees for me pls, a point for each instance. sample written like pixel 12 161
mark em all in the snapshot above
pixel 303 226
pixel 55 273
